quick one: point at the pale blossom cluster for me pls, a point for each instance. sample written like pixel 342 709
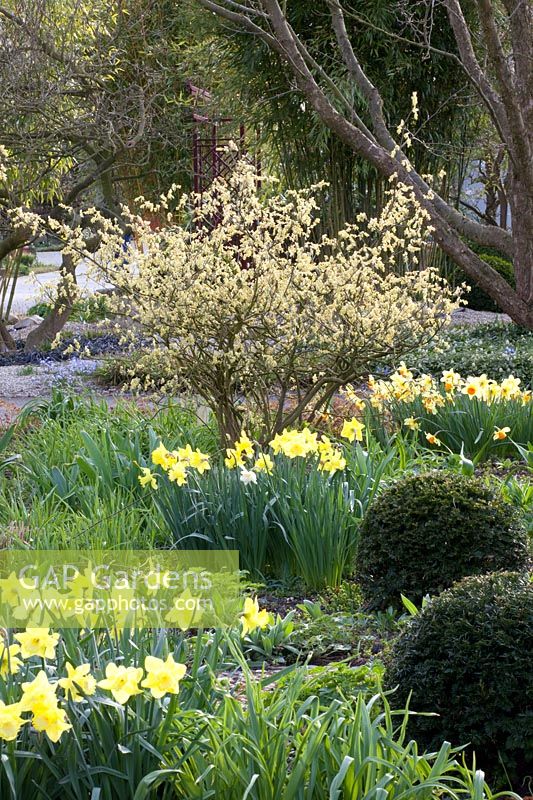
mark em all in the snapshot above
pixel 247 303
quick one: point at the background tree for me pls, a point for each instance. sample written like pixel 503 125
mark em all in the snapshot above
pixel 494 48
pixel 93 95
pixel 252 84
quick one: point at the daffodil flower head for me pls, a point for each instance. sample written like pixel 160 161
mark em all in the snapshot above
pixel 52 720
pixel 38 693
pixel 500 434
pixel 353 430
pixel 10 721
pixel 78 680
pixel 178 473
pixel 264 463
pixel 163 677
pixel 253 617
pixel 37 642
pixel 10 664
pixel 121 681
pixel 148 478
pixel 163 457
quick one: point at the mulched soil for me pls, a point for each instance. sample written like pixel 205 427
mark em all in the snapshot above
pixel 108 343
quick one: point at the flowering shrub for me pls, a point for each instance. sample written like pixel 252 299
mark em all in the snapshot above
pixel 476 415
pixel 259 318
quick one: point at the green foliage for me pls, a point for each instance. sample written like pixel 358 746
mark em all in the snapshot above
pixel 90 309
pixel 466 657
pixel 77 481
pixel 427 531
pixel 342 682
pixel 26 262
pixel 326 636
pixel 210 742
pixel 476 297
pixel 294 521
pixel 519 492
pixel 496 349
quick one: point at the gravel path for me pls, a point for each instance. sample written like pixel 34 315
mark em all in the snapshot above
pixel 37 380
pixel 467 316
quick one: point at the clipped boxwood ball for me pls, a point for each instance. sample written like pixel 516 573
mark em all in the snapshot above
pixel 467 657
pixel 427 531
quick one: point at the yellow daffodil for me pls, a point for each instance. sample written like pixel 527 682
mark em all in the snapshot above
pixel 10 588
pixel 37 642
pixel 450 379
pixel 353 430
pixel 243 446
pixel 178 473
pixel 510 387
pixel 411 423
pixel 9 663
pixel 163 677
pixel 252 617
pixel 78 678
pixel 433 439
pixel 148 478
pixel 332 462
pixel 500 433
pixel 38 693
pixel 194 459
pixel 264 463
pixel 121 681
pixel 52 720
pixel 295 447
pixel 10 721
pixel 295 444
pixel 162 457
pixel 233 459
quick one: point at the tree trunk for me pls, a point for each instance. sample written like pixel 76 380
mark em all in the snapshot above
pixel 6 340
pixel 521 204
pixel 55 321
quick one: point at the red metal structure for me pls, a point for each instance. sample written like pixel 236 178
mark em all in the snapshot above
pixel 212 152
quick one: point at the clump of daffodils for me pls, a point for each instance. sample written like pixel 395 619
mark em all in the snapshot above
pixel 176 463
pixel 245 456
pixel 255 313
pixel 41 701
pixel 403 386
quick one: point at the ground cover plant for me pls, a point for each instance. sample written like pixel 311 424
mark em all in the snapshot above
pixel 494 349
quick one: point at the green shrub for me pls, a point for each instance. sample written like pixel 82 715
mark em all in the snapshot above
pixel 42 309
pixel 427 531
pixel 477 298
pixel 496 349
pixel 467 656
